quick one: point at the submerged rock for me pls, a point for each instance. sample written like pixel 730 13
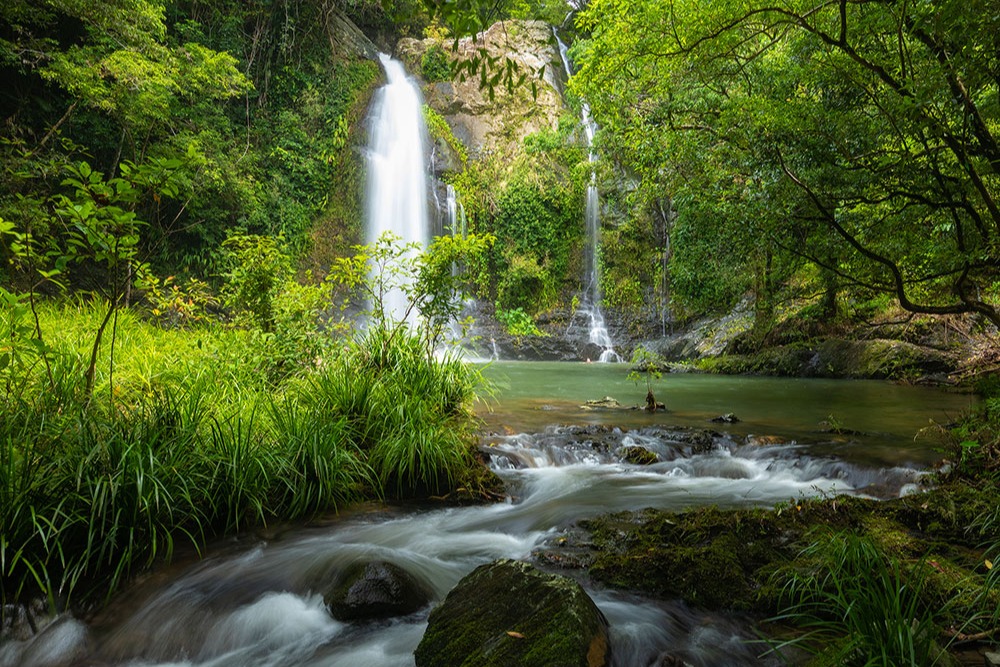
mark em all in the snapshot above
pixel 765 440
pixel 375 590
pixel 607 403
pixel 728 418
pixel 510 614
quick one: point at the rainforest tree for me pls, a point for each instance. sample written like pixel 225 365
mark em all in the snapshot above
pixel 855 137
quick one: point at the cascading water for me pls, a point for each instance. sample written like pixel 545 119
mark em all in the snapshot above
pixel 261 605
pixel 258 601
pixel 591 306
pixel 455 223
pixel 397 169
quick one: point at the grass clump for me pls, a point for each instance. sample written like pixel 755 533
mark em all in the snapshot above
pixel 859 606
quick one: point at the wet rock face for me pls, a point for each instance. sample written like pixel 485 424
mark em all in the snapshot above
pixel 483 122
pixel 375 590
pixel 510 614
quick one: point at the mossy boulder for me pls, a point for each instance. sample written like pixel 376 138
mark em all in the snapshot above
pixel 511 614
pixel 375 590
pixel 639 456
pixel 837 358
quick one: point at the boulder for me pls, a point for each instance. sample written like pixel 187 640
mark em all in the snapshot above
pixel 510 614
pixel 639 456
pixel 375 590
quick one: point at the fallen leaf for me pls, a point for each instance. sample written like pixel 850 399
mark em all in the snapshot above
pixel 989 564
pixel 515 635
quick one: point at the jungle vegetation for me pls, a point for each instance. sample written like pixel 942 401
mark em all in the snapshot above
pixel 179 201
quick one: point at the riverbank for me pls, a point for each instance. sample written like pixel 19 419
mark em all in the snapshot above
pixel 183 435
pixel 890 344
pixel 811 570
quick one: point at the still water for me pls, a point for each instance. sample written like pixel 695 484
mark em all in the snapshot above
pixel 257 601
pixel 861 419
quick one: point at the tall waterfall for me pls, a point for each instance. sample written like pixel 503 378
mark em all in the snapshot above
pixel 397 169
pixel 591 302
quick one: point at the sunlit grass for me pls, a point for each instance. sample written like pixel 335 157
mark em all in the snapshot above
pixel 184 438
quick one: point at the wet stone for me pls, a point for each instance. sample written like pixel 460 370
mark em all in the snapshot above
pixel 639 456
pixel 375 590
pixel 728 418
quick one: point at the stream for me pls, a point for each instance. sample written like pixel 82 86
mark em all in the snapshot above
pixel 254 601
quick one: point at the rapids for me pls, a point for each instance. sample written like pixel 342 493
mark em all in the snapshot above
pixel 257 601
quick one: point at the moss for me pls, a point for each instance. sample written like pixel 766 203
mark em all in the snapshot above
pixel 878 359
pixel 510 613
pixel 735 558
pixel 439 130
pixel 639 456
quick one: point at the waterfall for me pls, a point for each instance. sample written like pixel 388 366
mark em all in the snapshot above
pixel 591 302
pixel 397 170
pixel 455 223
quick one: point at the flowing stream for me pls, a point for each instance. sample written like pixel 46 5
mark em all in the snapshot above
pixel 257 601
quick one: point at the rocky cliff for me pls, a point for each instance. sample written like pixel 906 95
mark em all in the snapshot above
pixel 481 122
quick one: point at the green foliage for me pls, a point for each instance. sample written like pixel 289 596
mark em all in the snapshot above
pixel 247 96
pixel 518 323
pixel 794 135
pixel 525 284
pixel 178 304
pixel 257 269
pixel 201 442
pixel 432 283
pixel 561 140
pixel 860 606
pixel 435 65
pixel 646 365
pixel 529 218
pixel 284 315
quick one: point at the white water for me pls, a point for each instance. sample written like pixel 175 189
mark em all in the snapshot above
pixel 397 189
pixel 455 221
pixel 591 303
pixel 260 604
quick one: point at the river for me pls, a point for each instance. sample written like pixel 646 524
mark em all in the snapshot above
pixel 254 601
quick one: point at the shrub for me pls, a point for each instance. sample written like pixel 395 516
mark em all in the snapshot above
pixel 518 322
pixel 435 65
pixel 525 284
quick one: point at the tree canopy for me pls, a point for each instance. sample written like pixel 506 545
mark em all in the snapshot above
pixel 857 137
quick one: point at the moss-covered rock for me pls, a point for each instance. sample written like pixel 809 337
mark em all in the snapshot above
pixel 735 559
pixel 639 456
pixel 837 358
pixel 510 614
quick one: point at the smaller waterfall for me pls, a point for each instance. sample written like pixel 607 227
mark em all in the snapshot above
pixel 397 194
pixel 455 223
pixel 591 303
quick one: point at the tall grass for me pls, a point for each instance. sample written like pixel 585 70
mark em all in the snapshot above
pixel 186 441
pixel 860 607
